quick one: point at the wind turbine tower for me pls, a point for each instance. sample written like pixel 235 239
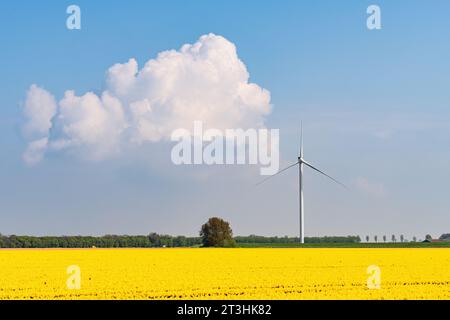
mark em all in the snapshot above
pixel 300 190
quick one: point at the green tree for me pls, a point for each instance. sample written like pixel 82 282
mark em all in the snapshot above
pixel 155 239
pixel 217 233
pixel 445 236
pixel 180 241
pixel 428 237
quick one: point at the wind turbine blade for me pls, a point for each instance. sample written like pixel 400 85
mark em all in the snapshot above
pixel 281 171
pixel 326 175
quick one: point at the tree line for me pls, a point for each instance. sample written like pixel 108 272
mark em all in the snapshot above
pixel 107 241
pixel 428 237
pixel 153 240
pixel 286 239
pixel 216 232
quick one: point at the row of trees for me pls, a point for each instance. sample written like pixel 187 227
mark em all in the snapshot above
pixel 153 240
pixel 286 239
pixel 394 238
pixel 108 241
pixel 214 233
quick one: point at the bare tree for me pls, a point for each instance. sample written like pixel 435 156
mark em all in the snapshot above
pixel 393 238
pixel 384 238
pixel 367 238
pixel 376 238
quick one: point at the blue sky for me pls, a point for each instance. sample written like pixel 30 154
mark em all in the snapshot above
pixel 375 107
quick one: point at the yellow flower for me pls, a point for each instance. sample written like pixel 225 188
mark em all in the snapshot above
pixel 224 273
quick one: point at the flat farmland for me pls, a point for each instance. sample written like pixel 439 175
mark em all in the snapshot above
pixel 239 273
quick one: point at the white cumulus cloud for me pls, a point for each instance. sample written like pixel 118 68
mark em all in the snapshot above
pixel 203 81
pixel 39 109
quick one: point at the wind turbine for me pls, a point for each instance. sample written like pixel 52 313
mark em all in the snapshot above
pixel 300 162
